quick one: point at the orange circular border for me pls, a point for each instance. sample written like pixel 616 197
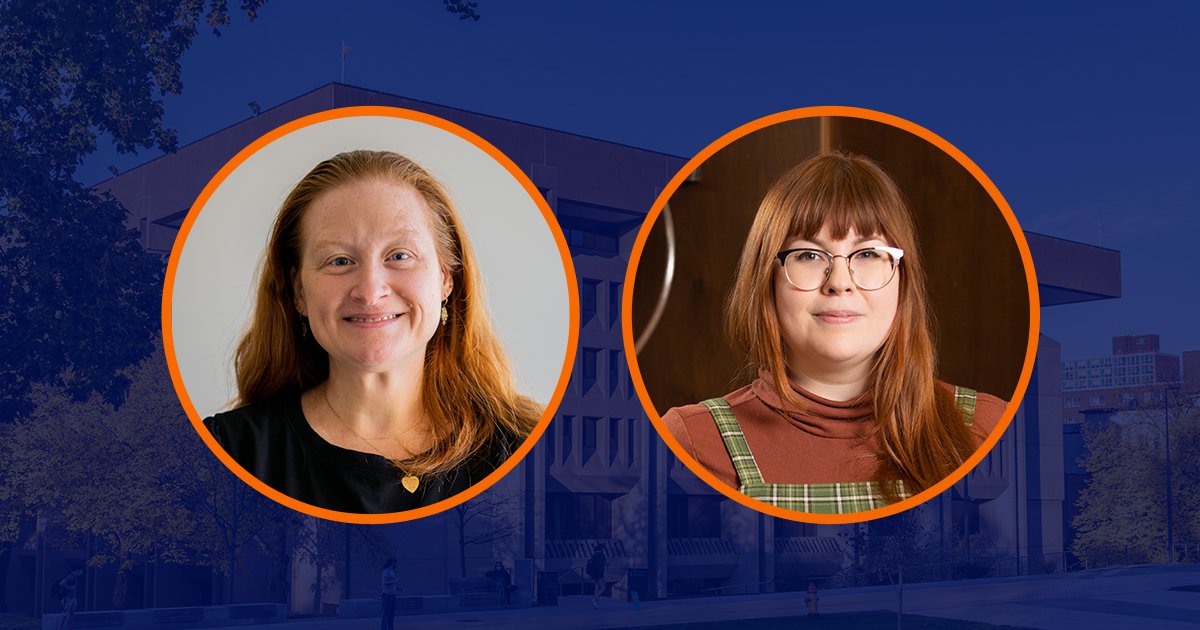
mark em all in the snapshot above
pixel 636 373
pixel 568 272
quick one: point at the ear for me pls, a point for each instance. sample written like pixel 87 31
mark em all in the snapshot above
pixel 298 293
pixel 447 283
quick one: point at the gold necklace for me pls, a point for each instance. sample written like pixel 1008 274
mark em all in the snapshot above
pixel 410 482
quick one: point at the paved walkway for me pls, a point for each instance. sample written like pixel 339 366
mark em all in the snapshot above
pixel 1119 598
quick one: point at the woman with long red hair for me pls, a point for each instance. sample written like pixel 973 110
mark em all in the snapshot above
pixel 370 379
pixel 847 413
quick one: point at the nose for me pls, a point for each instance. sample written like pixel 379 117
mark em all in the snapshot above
pixel 370 284
pixel 839 279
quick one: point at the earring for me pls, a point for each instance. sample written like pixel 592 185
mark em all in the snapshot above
pixel 445 314
pixel 303 326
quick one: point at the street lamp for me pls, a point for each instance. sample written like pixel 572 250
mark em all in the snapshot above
pixel 1167 444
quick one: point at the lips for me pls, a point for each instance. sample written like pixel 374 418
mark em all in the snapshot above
pixel 838 316
pixel 371 318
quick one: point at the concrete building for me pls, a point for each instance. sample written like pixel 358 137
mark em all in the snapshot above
pixel 1135 376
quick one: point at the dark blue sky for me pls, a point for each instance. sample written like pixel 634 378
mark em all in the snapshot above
pixel 1084 118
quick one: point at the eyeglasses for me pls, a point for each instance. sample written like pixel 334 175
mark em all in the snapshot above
pixel 871 268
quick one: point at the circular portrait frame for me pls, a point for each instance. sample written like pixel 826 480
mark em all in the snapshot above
pixel 820 125
pixel 203 314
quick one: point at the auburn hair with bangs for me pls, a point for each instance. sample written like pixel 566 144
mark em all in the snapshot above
pixel 921 434
pixel 468 390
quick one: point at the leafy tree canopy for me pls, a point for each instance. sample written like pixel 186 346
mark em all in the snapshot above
pixel 78 296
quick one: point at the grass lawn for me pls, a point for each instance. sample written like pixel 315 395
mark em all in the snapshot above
pixel 870 620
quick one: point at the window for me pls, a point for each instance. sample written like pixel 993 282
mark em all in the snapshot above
pixel 614 439
pixel 614 303
pixel 587 300
pixel 614 372
pixel 792 529
pixel 630 434
pixel 590 356
pixel 573 516
pixel 568 423
pixel 693 516
pixel 589 437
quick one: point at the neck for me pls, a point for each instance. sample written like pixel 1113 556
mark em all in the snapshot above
pixel 376 405
pixel 378 413
pixel 840 385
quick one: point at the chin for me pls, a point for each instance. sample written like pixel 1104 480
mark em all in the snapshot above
pixel 841 356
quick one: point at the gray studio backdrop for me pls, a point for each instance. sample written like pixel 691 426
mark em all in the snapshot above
pixel 523 274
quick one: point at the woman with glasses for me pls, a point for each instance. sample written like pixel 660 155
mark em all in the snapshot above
pixel 847 413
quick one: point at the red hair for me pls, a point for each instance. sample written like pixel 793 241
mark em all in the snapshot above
pixel 468 389
pixel 921 433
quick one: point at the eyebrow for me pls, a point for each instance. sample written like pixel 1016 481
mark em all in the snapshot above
pixel 397 235
pixel 862 239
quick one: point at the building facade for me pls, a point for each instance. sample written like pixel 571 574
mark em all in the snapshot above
pixel 601 475
pixel 1134 375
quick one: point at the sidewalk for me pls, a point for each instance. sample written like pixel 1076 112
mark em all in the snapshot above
pixel 1119 598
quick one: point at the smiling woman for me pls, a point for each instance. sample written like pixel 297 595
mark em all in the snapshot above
pixel 829 302
pixel 370 379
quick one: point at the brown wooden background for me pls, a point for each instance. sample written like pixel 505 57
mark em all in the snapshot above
pixel 976 280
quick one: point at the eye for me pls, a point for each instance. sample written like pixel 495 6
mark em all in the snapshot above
pixel 399 256
pixel 339 261
pixel 808 256
pixel 869 254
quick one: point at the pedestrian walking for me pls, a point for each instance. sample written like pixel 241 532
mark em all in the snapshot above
pixel 595 570
pixel 388 582
pixel 68 590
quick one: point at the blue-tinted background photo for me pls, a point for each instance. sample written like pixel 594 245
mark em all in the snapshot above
pixel 115 116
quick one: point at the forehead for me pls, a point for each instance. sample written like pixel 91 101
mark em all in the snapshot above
pixel 366 211
pixel 829 236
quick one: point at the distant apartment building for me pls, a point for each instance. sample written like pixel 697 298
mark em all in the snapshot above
pixel 1133 376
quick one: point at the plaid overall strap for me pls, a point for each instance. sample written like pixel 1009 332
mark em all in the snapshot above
pixel 964 397
pixel 735 442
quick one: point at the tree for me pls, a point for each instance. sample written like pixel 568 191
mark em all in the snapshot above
pixel 78 296
pixel 74 462
pixel 136 478
pixel 895 549
pixel 485 519
pixel 79 299
pixel 322 544
pixel 1122 510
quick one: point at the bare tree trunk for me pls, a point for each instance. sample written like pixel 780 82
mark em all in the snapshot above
pixel 230 575
pixel 462 557
pixel 318 588
pixel 121 583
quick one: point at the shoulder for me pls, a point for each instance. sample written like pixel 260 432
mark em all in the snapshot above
pixel 694 428
pixel 989 410
pixel 502 446
pixel 683 421
pixel 243 430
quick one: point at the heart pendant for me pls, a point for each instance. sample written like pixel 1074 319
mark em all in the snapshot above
pixel 410 483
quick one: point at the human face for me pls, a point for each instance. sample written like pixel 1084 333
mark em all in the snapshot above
pixel 833 332
pixel 369 280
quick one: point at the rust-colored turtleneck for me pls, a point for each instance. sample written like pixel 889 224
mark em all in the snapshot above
pixel 828 441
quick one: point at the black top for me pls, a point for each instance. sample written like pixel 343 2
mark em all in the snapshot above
pixel 273 440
